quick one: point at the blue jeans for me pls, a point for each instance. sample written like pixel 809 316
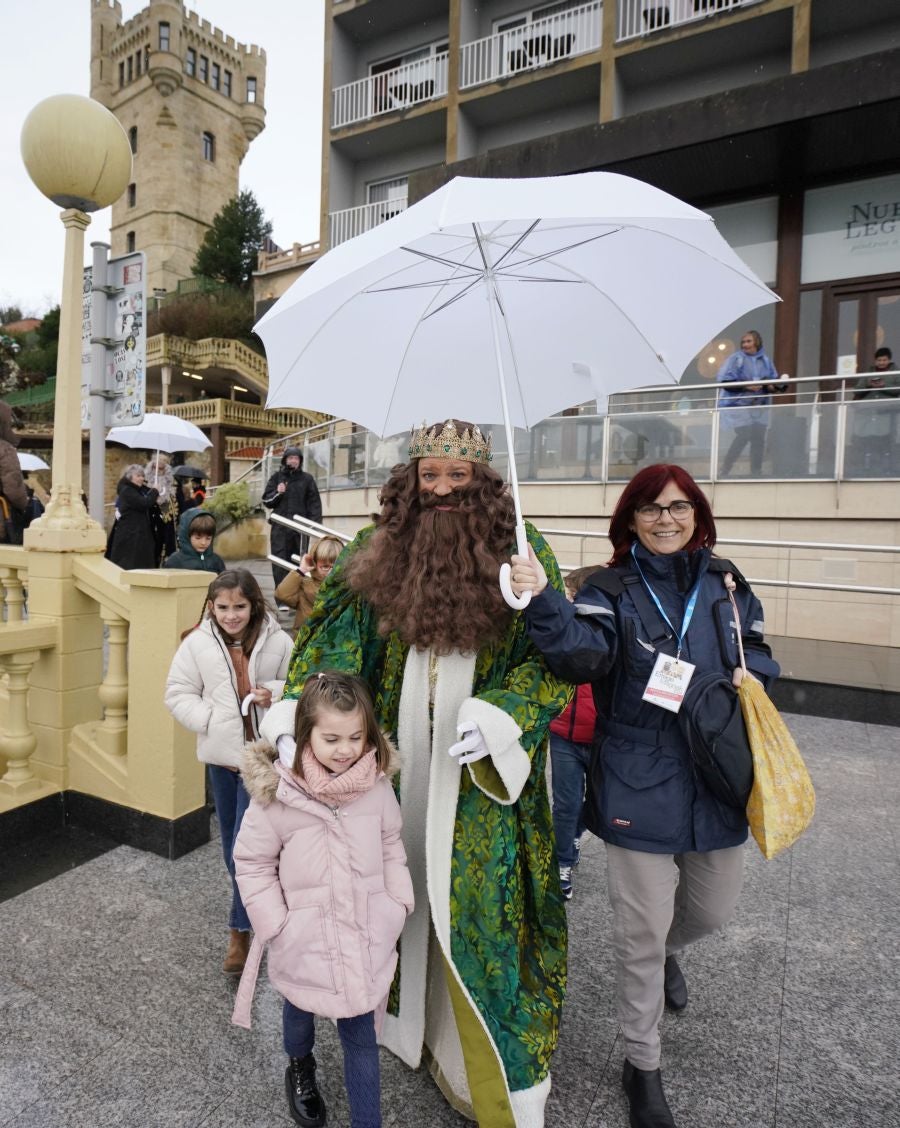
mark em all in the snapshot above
pixel 361 1070
pixel 569 766
pixel 231 800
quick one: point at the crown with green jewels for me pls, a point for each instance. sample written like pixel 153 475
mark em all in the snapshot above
pixel 470 446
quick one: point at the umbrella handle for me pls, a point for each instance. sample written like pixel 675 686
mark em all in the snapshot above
pixel 517 602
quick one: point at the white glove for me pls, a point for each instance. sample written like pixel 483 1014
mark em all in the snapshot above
pixel 286 747
pixel 472 746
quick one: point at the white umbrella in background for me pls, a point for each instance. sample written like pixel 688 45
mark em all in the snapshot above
pixel 31 461
pixel 506 301
pixel 160 432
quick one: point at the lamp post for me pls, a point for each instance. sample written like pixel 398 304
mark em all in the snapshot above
pixel 78 155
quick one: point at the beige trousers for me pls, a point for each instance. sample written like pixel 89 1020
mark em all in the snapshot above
pixel 661 903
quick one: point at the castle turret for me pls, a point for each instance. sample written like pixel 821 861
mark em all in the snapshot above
pixel 191 100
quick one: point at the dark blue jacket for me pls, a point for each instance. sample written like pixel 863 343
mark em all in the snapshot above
pixel 643 792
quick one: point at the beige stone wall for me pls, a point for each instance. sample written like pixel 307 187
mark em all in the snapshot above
pixel 855 513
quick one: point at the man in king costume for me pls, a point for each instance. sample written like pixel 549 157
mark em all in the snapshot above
pixel 413 606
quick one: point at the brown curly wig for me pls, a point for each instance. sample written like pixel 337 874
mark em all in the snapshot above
pixel 431 575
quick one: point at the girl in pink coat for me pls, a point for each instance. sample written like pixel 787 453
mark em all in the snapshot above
pixel 322 873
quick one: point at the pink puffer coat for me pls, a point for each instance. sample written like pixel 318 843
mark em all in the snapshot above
pixel 326 887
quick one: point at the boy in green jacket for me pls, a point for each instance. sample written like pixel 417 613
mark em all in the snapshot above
pixel 196 530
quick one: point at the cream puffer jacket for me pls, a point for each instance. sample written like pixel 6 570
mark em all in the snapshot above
pixel 325 887
pixel 202 693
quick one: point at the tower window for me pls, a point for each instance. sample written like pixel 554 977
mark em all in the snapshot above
pixel 147 58
pixel 226 84
pixel 132 138
pixel 121 74
pixel 216 75
pixel 190 63
pixel 204 69
pixel 251 89
pixel 164 37
pixel 129 243
pixel 209 147
pixel 137 64
pixel 130 67
pixel 132 195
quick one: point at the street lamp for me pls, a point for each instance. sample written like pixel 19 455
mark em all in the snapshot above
pixel 78 155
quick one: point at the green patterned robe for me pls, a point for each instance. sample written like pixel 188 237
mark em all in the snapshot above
pixel 507 914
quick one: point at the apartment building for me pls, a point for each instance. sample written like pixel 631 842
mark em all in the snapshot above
pixel 779 117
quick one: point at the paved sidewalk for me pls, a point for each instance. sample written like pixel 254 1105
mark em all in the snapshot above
pixel 114 1011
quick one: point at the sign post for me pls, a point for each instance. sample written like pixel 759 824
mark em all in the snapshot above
pixel 113 356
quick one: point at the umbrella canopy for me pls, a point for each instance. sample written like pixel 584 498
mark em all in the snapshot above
pixel 31 461
pixel 189 472
pixel 600 283
pixel 160 432
pixel 505 300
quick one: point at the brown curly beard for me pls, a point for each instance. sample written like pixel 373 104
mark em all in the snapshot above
pixel 431 576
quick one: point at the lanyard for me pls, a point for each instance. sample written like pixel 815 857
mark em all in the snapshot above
pixel 688 611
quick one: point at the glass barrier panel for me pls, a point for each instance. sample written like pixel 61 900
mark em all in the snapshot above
pixel 872 438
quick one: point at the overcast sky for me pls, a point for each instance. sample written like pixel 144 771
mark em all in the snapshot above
pixel 48 51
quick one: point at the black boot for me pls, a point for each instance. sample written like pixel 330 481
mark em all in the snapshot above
pixel 646 1099
pixel 674 986
pixel 304 1099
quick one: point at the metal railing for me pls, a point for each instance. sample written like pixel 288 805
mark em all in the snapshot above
pixel 564 35
pixel 817 547
pixel 643 17
pixel 408 85
pixel 349 222
pixel 822 434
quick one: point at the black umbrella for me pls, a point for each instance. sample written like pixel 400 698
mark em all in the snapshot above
pixel 189 472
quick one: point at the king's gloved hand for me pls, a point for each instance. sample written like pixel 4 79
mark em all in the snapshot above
pixel 471 746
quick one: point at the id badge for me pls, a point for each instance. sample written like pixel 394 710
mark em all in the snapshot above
pixel 668 683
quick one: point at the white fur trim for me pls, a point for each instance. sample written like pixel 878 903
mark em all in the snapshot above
pixel 404 1034
pixel 528 1104
pixel 501 735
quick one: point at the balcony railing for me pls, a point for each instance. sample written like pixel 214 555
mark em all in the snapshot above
pixel 823 435
pixel 641 17
pixel 397 89
pixel 538 44
pixel 350 222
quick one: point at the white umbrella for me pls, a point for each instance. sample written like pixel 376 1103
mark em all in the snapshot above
pixel 160 432
pixel 31 461
pixel 506 300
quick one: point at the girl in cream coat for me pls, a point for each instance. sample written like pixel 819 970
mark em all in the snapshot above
pixel 322 871
pixel 225 674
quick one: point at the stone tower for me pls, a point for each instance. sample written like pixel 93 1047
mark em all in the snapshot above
pixel 191 100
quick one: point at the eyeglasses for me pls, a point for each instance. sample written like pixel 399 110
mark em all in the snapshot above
pixel 680 510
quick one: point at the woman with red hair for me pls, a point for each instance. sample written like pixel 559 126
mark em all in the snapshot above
pixel 640 630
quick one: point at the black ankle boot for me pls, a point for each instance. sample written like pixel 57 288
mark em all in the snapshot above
pixel 674 986
pixel 304 1099
pixel 646 1099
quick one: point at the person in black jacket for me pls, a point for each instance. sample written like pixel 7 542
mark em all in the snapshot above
pixel 290 490
pixel 675 853
pixel 131 541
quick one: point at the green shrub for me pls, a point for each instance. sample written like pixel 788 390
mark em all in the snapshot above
pixel 230 503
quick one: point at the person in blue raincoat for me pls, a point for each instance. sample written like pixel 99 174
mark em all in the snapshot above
pixel 744 411
pixel 675 853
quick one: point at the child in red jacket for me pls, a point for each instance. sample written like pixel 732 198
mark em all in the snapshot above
pixel 571 737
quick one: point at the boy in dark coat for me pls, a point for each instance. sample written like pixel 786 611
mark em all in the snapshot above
pixel 196 530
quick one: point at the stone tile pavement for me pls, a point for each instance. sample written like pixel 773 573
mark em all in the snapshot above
pixel 114 1012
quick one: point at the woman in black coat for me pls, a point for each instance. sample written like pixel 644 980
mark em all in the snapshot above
pixel 131 542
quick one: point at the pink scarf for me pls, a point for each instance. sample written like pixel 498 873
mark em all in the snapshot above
pixel 337 789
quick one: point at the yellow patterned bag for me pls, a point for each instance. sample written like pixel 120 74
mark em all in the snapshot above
pixel 782 800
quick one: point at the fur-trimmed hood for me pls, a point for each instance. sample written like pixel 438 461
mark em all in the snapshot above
pixel 261 770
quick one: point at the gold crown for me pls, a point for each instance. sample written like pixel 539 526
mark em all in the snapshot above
pixel 470 446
